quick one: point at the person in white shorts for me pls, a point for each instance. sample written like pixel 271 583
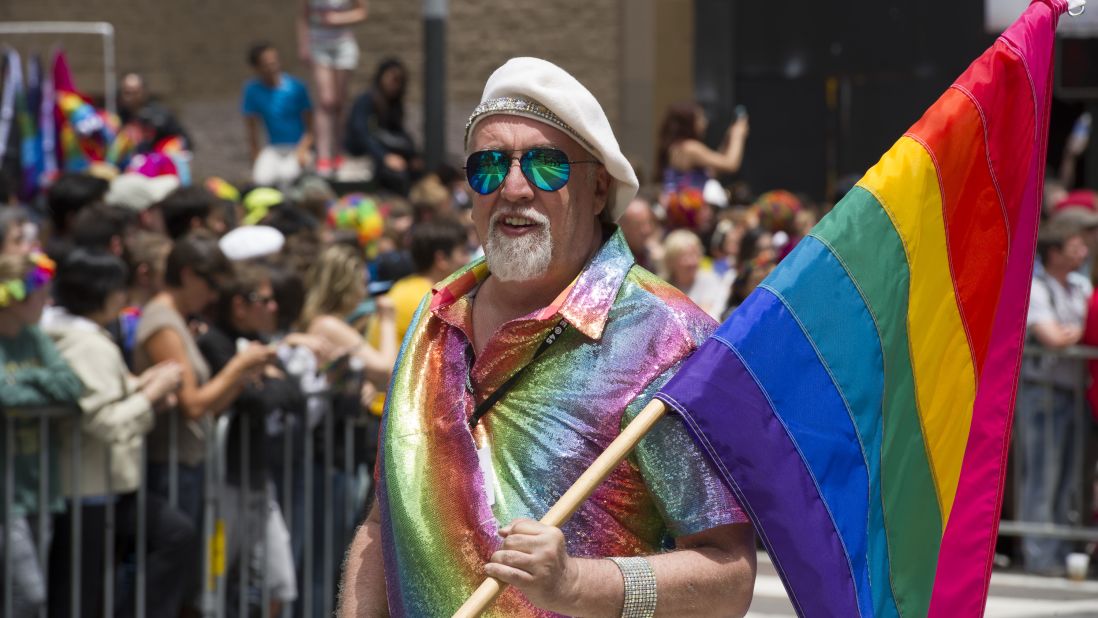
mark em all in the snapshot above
pixel 281 102
pixel 325 41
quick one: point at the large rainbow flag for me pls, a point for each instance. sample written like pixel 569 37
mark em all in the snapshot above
pixel 860 402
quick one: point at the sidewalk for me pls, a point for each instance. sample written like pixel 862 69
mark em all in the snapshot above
pixel 1013 595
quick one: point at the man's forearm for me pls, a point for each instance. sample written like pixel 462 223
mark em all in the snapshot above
pixel 704 582
pixel 689 582
pixel 362 588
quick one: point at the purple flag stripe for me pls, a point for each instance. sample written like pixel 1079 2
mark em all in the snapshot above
pixel 771 477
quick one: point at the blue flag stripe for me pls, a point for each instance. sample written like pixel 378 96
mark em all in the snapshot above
pixel 719 394
pixel 816 287
pixel 788 367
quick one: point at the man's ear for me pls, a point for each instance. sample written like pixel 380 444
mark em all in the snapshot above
pixel 602 189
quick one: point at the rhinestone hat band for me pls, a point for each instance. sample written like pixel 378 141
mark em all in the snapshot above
pixel 525 107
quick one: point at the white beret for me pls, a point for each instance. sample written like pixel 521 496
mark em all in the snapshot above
pixel 251 241
pixel 542 91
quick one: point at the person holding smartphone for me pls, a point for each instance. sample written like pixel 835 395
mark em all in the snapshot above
pixel 688 163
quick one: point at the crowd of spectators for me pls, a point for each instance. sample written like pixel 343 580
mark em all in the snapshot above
pixel 163 309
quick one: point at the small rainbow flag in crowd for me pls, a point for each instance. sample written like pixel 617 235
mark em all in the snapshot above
pixel 859 403
pixel 358 213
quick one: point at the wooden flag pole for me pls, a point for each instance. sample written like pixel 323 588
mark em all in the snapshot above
pixel 584 486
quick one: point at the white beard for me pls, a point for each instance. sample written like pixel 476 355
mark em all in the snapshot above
pixel 523 258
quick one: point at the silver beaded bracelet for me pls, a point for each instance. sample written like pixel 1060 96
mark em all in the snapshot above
pixel 640 587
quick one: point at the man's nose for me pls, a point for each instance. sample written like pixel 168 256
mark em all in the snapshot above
pixel 516 187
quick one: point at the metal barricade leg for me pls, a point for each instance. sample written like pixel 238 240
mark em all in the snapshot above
pixel 108 543
pixel 220 504
pixel 265 554
pixel 77 512
pixel 9 499
pixel 173 459
pixel 210 539
pixel 1018 437
pixel 242 519
pixel 329 511
pixel 350 500
pixel 142 532
pixel 287 476
pixel 43 541
pixel 1077 509
pixel 307 586
pixel 287 504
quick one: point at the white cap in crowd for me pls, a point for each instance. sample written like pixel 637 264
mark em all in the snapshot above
pixel 138 191
pixel 250 242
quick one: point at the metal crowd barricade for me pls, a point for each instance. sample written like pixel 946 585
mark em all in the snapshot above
pixel 299 439
pixel 45 417
pixel 213 601
pixel 1079 528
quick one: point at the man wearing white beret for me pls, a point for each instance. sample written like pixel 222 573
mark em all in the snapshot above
pixel 518 371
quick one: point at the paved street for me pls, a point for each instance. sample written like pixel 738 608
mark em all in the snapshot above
pixel 1012 596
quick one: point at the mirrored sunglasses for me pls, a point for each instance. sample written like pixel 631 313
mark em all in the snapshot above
pixel 547 168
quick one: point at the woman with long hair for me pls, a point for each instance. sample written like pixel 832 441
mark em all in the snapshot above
pixel 336 286
pixel 375 128
pixel 687 163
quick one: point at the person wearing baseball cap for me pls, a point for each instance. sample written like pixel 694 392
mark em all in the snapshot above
pixel 518 371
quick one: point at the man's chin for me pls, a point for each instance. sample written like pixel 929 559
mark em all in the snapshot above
pixel 513 259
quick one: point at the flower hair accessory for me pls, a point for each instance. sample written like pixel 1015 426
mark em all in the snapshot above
pixel 11 292
pixel 17 290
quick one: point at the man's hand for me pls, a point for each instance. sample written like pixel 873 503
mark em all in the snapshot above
pixel 534 560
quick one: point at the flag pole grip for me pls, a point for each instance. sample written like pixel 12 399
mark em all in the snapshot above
pixel 582 489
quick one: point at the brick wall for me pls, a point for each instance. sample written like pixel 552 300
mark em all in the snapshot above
pixel 192 53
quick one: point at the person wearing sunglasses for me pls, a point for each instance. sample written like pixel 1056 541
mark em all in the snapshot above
pixel 194 272
pixel 519 370
pixel 246 313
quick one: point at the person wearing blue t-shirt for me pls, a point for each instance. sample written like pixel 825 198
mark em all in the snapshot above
pixel 282 103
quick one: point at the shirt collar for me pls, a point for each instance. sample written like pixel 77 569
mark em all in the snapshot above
pixel 585 304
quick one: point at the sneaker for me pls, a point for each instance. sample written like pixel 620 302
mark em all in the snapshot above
pixel 324 167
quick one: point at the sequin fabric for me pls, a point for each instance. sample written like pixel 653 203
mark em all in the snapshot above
pixel 627 334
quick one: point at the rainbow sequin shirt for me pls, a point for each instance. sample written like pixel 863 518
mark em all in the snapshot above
pixel 628 332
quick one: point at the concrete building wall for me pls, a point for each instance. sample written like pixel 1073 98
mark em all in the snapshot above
pixel 193 56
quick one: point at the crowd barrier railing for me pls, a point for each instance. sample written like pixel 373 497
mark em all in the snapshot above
pixel 342 487
pixel 1066 370
pixel 41 422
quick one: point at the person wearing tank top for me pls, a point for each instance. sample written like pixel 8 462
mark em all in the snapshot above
pixel 326 41
pixel 194 271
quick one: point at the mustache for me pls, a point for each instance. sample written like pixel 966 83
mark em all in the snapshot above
pixel 526 213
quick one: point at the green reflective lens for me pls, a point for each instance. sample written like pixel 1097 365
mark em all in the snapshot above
pixel 547 168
